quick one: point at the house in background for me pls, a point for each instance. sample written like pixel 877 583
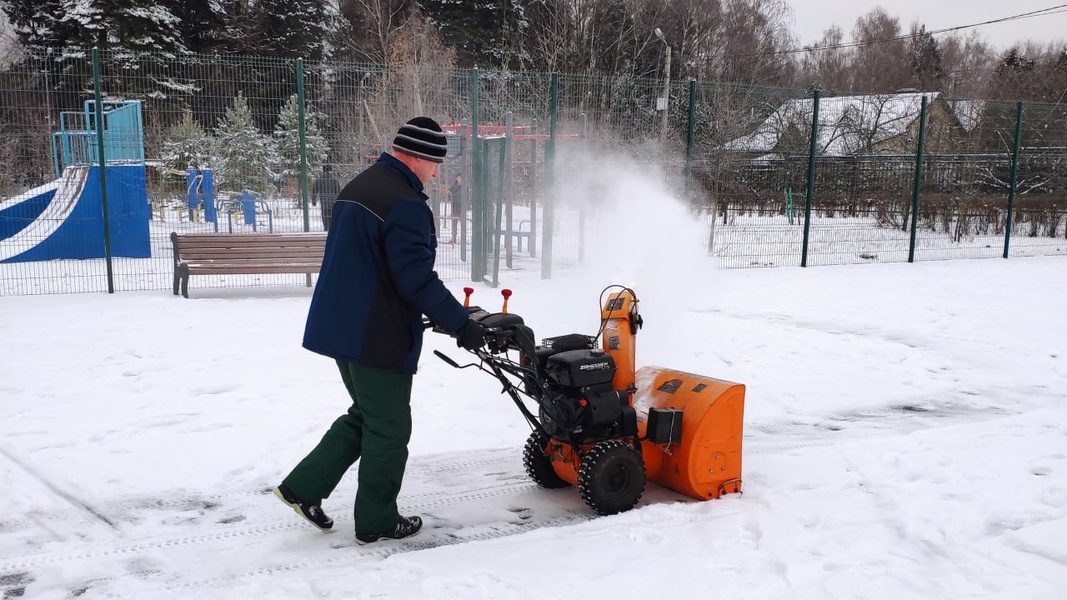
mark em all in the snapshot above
pixel 880 124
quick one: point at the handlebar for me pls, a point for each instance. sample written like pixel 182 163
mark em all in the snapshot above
pixel 497 338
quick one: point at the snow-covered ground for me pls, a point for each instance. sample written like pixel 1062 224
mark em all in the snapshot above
pixel 905 437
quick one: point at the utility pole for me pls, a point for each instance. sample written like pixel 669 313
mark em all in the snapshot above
pixel 664 105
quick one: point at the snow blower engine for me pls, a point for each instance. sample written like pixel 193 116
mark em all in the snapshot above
pixel 603 426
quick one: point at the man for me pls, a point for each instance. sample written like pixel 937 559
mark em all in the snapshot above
pixel 323 192
pixel 455 194
pixel 376 282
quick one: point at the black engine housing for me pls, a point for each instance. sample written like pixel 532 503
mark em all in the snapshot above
pixel 578 403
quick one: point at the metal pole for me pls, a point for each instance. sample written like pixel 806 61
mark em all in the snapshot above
pixel 549 207
pixel 301 129
pixel 810 191
pixel 583 135
pixel 689 136
pixel 1009 221
pixel 479 249
pixel 666 89
pixel 509 183
pixel 99 109
pixel 499 208
pixel 464 188
pixel 918 181
pixel 533 189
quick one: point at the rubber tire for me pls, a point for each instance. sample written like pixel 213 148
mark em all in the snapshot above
pixel 538 466
pixel 612 477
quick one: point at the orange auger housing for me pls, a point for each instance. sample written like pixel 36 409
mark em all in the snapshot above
pixel 694 447
pixel 706 462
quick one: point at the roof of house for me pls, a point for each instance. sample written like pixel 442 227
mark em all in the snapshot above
pixel 847 124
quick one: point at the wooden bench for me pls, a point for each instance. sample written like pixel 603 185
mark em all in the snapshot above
pixel 242 253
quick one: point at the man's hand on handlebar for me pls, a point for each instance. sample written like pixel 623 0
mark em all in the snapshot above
pixel 471 336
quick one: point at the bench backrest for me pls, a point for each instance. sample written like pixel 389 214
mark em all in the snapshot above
pixel 197 246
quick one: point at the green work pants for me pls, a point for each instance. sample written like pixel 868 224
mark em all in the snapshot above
pixel 375 430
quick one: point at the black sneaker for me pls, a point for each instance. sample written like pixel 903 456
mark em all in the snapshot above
pixel 407 526
pixel 312 512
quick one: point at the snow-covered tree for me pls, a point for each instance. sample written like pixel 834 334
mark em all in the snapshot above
pixel 287 136
pixel 243 156
pixel 187 145
pixel 296 28
pixel 38 22
pixel 279 28
pixel 131 25
pixel 201 23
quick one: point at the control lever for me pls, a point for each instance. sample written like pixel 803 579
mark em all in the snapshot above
pixel 506 293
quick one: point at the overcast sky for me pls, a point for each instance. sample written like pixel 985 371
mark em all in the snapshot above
pixel 812 17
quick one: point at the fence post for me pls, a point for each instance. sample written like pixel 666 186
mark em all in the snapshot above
pixel 99 110
pixel 690 134
pixel 810 191
pixel 466 168
pixel 509 184
pixel 479 248
pixel 918 180
pixel 532 241
pixel 583 135
pixel 548 209
pixel 1009 221
pixel 301 129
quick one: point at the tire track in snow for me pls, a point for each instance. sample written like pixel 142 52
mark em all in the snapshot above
pixel 476 476
pixel 106 549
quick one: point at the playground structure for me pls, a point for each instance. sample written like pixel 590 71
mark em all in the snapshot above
pixel 491 159
pixel 65 219
pixel 200 188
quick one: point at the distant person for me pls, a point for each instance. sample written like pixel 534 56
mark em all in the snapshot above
pixel 376 283
pixel 455 194
pixel 324 192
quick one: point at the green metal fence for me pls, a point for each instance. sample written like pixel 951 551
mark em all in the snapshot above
pixel 106 154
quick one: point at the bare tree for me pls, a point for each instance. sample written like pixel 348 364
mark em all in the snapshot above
pixel 370 25
pixel 417 80
pixel 880 62
pixel 750 41
pixel 968 62
pixel 10 50
pixel 548 40
pixel 826 65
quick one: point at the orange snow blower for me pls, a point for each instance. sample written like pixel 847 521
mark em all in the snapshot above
pixel 606 427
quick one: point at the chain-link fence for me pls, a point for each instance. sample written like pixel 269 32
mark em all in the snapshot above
pixel 107 154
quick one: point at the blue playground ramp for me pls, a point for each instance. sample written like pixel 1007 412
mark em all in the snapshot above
pixel 65 218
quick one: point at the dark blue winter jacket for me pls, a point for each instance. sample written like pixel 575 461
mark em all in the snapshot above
pixel 377 277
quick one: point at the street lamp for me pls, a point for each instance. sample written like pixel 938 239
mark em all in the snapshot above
pixel 665 102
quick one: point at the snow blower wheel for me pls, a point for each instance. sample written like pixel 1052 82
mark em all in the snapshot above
pixel 538 464
pixel 611 477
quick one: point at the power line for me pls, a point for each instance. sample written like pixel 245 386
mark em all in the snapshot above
pixel 1052 10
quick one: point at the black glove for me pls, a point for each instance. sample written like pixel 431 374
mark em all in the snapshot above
pixel 471 336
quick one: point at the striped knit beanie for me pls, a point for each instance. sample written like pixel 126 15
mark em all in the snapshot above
pixel 422 138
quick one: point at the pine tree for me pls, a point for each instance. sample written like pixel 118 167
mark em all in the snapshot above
pixel 296 28
pixel 287 136
pixel 200 22
pixel 926 59
pixel 129 25
pixel 482 32
pixel 243 156
pixel 39 22
pixel 186 145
